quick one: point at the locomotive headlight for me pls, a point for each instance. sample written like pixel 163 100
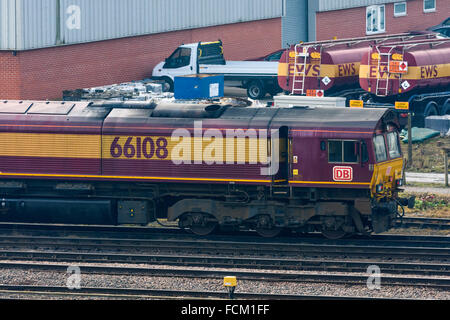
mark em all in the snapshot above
pixel 379 188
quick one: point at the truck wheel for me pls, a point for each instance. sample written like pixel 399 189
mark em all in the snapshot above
pixel 170 83
pixel 256 90
pixel 431 109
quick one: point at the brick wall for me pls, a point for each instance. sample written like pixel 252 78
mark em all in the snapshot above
pixel 45 73
pixel 350 23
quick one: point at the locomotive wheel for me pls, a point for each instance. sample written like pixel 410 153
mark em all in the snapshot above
pixel 334 234
pixel 265 227
pixel 269 233
pixel 203 230
pixel 200 224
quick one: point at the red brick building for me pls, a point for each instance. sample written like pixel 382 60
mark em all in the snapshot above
pixel 47 46
pixel 38 68
pixel 45 73
pixel 380 17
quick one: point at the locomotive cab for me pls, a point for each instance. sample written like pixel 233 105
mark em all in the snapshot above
pixel 387 178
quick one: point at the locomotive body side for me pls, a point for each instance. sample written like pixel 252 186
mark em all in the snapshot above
pixel 39 140
pixel 307 169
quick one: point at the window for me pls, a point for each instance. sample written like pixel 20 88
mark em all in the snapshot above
pixel 393 145
pixel 444 31
pixel 343 151
pixel 375 19
pixel 180 58
pixel 364 152
pixel 380 148
pixel 399 9
pixel 275 57
pixel 429 5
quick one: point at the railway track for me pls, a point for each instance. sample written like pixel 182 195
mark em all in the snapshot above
pixel 422 223
pixel 266 276
pixel 122 232
pixel 309 259
pixel 141 250
pixel 130 293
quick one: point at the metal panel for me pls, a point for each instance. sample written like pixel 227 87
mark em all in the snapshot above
pixel 8 24
pixel 330 5
pixel 29 24
pixel 295 22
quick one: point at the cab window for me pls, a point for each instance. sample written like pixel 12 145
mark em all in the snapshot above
pixel 343 151
pixel 180 58
pixel 380 148
pixel 393 145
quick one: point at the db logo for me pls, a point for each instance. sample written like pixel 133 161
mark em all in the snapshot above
pixel 343 174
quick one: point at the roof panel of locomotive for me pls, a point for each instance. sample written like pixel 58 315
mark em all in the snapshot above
pixel 297 117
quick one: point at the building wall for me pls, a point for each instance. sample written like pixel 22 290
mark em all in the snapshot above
pixel 45 73
pixel 34 24
pixel 329 5
pixel 350 23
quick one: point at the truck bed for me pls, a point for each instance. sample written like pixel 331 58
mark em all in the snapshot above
pixel 242 69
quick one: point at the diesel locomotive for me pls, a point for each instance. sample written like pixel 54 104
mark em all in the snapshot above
pixel 309 169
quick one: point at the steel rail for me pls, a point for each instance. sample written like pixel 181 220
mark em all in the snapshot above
pixel 435 282
pixel 439 269
pixel 146 232
pixel 422 222
pixel 129 293
pixel 222 247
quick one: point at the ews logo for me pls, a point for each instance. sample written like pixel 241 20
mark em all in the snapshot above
pixel 343 174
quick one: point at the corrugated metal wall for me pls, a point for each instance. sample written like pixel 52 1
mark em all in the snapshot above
pixel 329 5
pixel 295 22
pixel 29 24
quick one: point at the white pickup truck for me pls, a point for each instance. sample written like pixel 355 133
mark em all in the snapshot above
pixel 258 77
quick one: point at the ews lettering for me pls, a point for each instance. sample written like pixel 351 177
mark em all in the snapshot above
pixel 383 73
pixel 311 70
pixel 346 70
pixel 427 72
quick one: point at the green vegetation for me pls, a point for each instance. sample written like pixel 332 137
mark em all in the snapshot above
pixel 430 205
pixel 428 156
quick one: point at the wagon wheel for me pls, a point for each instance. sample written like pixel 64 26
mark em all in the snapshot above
pixel 200 224
pixel 334 234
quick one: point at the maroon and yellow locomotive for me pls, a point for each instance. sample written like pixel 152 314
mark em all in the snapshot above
pixel 332 170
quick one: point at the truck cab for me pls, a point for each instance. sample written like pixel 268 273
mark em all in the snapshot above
pixel 186 60
pixel 258 77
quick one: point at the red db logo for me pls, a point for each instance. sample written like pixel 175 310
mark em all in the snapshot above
pixel 343 174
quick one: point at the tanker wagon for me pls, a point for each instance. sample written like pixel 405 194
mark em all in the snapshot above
pixel 331 67
pixel 417 72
